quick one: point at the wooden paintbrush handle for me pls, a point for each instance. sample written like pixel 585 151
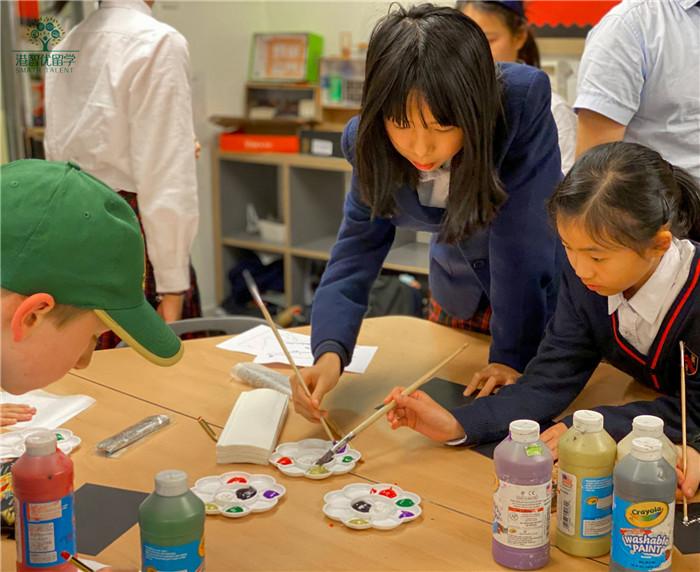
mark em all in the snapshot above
pixel 410 389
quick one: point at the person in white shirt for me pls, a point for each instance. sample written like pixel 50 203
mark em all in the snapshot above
pixel 124 114
pixel 508 32
pixel 639 80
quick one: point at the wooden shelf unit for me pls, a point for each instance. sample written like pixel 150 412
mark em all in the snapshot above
pixel 304 192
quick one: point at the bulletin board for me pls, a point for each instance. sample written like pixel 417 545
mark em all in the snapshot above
pixel 566 18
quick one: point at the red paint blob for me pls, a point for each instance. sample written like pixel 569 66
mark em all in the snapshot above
pixel 237 480
pixel 284 461
pixel 330 525
pixel 373 491
pixel 388 493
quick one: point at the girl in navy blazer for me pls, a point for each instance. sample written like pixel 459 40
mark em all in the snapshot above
pixel 450 143
pixel 630 294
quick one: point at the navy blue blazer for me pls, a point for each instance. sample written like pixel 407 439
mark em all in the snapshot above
pixel 580 335
pixel 515 262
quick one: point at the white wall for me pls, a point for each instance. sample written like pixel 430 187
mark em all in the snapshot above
pixel 219 34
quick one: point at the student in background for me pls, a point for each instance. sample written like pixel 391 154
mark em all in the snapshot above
pixel 71 268
pixel 511 40
pixel 630 294
pixel 450 144
pixel 124 114
pixel 639 80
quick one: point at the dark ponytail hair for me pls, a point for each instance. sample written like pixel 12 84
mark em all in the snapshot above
pixel 442 56
pixel 515 22
pixel 625 193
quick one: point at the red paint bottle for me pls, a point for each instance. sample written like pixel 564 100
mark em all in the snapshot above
pixel 42 479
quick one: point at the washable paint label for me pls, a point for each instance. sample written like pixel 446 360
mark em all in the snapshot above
pixel 45 530
pixel 596 506
pixel 182 558
pixel 521 514
pixel 566 503
pixel 642 537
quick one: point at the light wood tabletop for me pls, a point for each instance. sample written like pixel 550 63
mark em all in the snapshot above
pixel 456 484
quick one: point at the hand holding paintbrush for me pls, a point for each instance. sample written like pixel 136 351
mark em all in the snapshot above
pixel 388 407
pixel 255 293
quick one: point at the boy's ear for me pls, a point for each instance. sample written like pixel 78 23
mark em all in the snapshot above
pixel 30 312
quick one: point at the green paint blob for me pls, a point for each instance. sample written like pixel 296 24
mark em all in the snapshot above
pixel 317 470
pixel 234 509
pixel 405 503
pixel 358 521
pixel 348 459
pixel 59 437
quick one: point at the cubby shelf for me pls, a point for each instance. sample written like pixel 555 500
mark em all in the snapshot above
pixel 304 192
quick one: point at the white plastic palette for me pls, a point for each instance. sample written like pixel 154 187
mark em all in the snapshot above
pixel 362 506
pixel 298 459
pixel 12 443
pixel 237 494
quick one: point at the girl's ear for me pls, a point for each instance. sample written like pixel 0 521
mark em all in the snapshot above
pixel 29 314
pixel 520 37
pixel 661 242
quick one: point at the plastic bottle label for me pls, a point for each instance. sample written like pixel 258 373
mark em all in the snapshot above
pixel 642 536
pixel 183 558
pixel 596 506
pixel 521 514
pixel 45 530
pixel 566 507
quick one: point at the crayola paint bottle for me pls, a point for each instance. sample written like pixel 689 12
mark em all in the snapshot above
pixel 584 510
pixel 171 520
pixel 522 502
pixel 643 506
pixel 42 479
pixel 648 426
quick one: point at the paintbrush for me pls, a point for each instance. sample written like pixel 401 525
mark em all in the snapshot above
pixel 683 430
pixel 257 298
pixel 384 410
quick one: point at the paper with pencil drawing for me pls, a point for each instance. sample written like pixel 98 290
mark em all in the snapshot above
pixel 261 342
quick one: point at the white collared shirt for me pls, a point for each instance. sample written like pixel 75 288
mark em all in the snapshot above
pixel 124 114
pixel 641 316
pixel 641 68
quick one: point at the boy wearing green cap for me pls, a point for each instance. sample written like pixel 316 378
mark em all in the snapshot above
pixel 71 268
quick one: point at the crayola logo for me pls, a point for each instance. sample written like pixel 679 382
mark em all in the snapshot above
pixel 646 514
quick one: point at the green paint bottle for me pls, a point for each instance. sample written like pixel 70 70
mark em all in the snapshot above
pixel 171 521
pixel 584 507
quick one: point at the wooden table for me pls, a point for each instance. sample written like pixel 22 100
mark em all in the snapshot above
pixel 455 484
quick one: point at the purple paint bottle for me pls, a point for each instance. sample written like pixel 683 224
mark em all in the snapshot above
pixel 523 499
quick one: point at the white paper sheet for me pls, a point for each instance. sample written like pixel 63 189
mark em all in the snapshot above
pixel 52 410
pixel 261 342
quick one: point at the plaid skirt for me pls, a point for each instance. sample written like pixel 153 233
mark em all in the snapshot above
pixel 479 322
pixel 191 306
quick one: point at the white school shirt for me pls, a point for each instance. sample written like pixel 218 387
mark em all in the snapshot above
pixel 641 68
pixel 124 114
pixel 640 317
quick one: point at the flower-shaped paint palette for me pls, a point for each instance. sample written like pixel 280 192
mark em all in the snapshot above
pixel 12 443
pixel 362 506
pixel 237 494
pixel 298 459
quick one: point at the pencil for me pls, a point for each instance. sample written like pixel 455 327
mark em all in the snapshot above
pixel 683 430
pixel 207 429
pixel 75 562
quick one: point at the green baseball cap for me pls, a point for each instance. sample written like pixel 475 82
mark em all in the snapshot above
pixel 68 234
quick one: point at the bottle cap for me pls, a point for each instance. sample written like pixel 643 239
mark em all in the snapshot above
pixel 171 483
pixel 40 444
pixel 587 421
pixel 646 449
pixel 524 431
pixel 647 426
